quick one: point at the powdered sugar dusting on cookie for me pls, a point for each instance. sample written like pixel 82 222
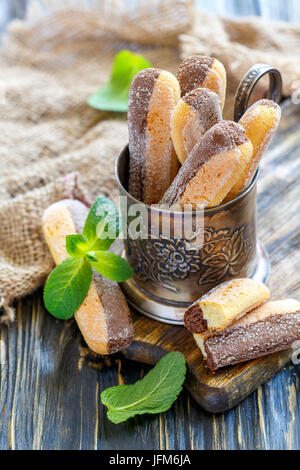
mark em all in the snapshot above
pixel 138 104
pixel 205 113
pixel 119 325
pixel 213 180
pixel 221 138
pixel 153 164
pixel 202 72
pixel 193 71
pixel 260 123
pixel 249 341
pixel 161 161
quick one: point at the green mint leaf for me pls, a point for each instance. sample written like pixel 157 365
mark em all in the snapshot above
pixel 76 245
pixel 111 266
pixel 114 95
pixel 155 393
pixel 102 225
pixel 91 256
pixel 67 287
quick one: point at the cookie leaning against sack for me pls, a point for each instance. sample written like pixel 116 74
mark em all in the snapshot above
pixel 103 318
pixel 211 169
pixel 153 162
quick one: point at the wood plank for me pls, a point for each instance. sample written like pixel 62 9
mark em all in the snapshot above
pixel 50 398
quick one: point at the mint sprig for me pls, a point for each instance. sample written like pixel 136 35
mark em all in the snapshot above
pixel 102 225
pixel 155 393
pixel 114 95
pixel 111 266
pixel 76 245
pixel 68 284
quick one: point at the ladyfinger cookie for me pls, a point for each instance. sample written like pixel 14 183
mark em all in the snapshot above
pixel 270 328
pixel 103 318
pixel 225 304
pixel 153 164
pixel 194 115
pixel 260 123
pixel 199 71
pixel 211 169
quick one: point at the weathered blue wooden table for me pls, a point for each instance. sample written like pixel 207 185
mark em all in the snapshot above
pixel 50 395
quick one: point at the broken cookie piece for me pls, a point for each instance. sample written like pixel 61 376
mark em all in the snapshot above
pixel 225 304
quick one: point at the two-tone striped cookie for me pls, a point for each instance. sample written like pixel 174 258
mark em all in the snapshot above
pixel 225 304
pixel 272 327
pixel 153 165
pixel 199 71
pixel 194 115
pixel 211 169
pixel 103 318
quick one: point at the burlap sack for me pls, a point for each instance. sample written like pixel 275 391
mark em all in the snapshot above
pixel 49 65
pixel 25 259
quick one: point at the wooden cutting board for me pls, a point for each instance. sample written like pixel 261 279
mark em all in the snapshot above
pixel 222 390
pixel 214 391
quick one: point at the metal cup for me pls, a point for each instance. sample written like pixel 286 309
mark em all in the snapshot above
pixel 170 273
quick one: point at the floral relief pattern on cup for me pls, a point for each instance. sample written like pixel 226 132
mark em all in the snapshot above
pixel 165 261
pixel 229 257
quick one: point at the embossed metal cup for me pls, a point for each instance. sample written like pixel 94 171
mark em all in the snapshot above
pixel 169 274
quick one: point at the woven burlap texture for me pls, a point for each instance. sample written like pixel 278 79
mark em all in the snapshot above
pixel 242 42
pixel 25 259
pixel 49 65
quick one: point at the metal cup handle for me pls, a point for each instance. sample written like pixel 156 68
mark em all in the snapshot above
pixel 249 82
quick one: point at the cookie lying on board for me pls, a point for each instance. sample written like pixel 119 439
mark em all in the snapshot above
pixel 225 304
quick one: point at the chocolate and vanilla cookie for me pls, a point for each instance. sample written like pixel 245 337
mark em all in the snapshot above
pixel 272 327
pixel 104 317
pixel 153 164
pixel 211 169
pixel 194 115
pixel 200 71
pixel 225 304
